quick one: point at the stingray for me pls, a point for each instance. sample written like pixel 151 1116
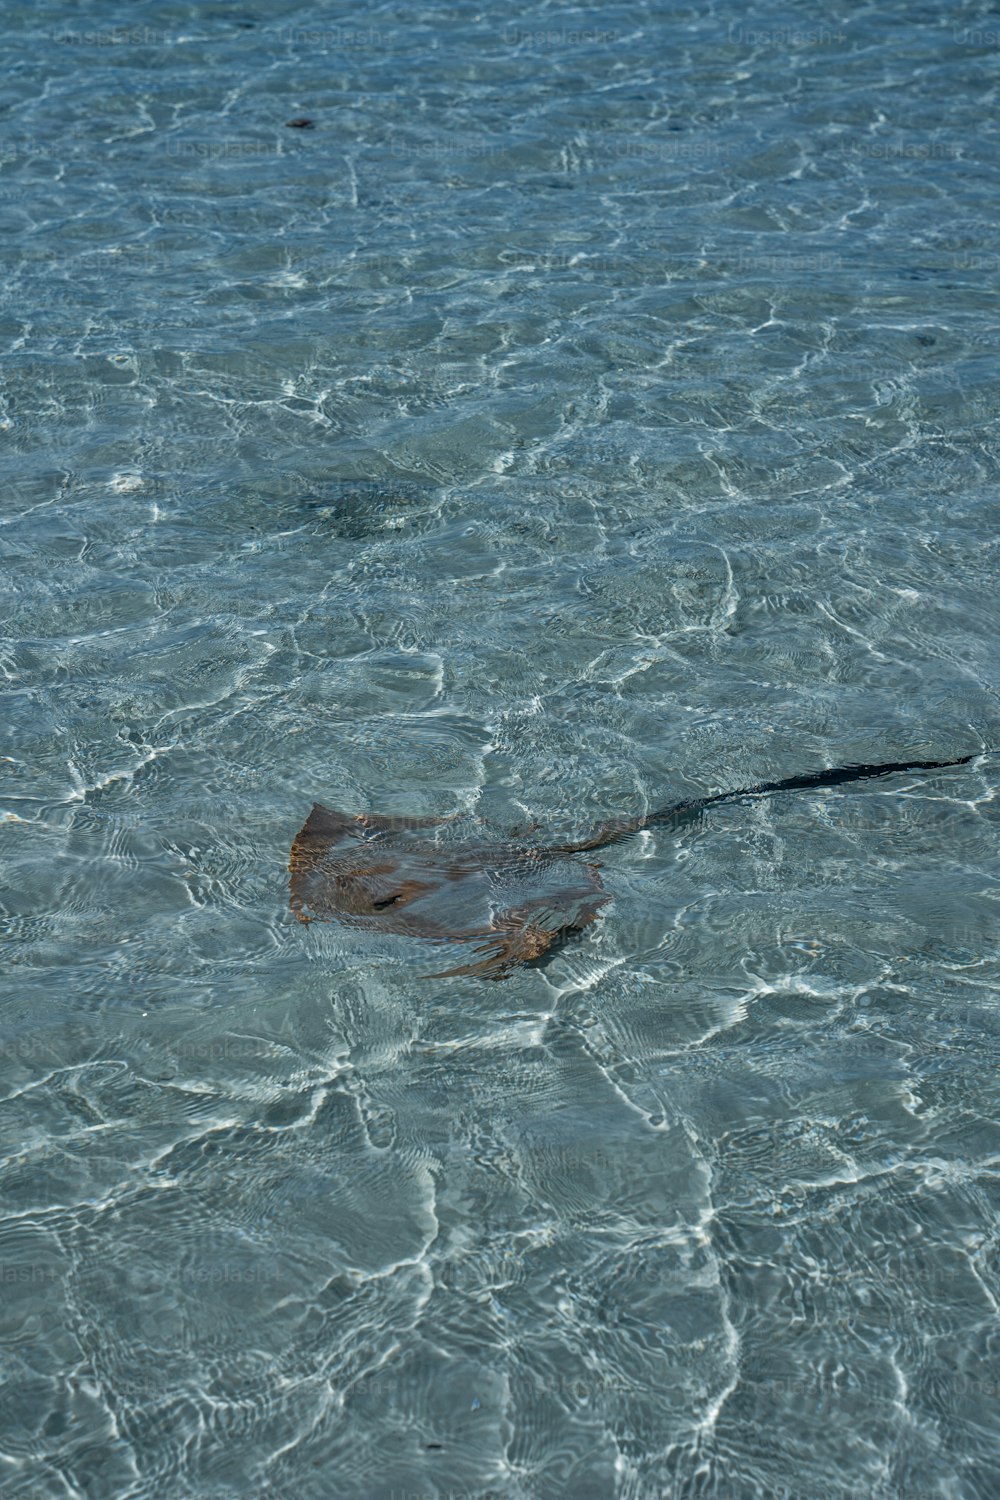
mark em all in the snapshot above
pixel 515 900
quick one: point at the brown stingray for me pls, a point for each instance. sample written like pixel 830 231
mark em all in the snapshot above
pixel 390 875
pixel 380 874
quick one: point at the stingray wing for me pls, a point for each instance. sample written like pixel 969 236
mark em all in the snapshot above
pixel 325 830
pixel 504 951
pixel 524 933
pixel 322 830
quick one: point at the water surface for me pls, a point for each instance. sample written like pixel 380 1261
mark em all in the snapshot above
pixel 595 406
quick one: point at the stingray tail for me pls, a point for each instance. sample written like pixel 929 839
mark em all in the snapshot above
pixel 686 812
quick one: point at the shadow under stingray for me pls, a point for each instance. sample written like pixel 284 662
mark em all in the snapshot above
pixel 359 510
pixel 516 901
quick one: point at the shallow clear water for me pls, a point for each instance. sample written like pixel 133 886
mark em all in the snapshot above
pixel 594 408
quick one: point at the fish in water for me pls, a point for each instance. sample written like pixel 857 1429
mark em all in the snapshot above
pixel 519 899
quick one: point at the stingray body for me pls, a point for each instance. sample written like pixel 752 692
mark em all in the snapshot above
pixel 514 900
pixel 389 875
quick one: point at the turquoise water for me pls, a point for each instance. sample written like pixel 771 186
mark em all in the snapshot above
pixel 594 407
